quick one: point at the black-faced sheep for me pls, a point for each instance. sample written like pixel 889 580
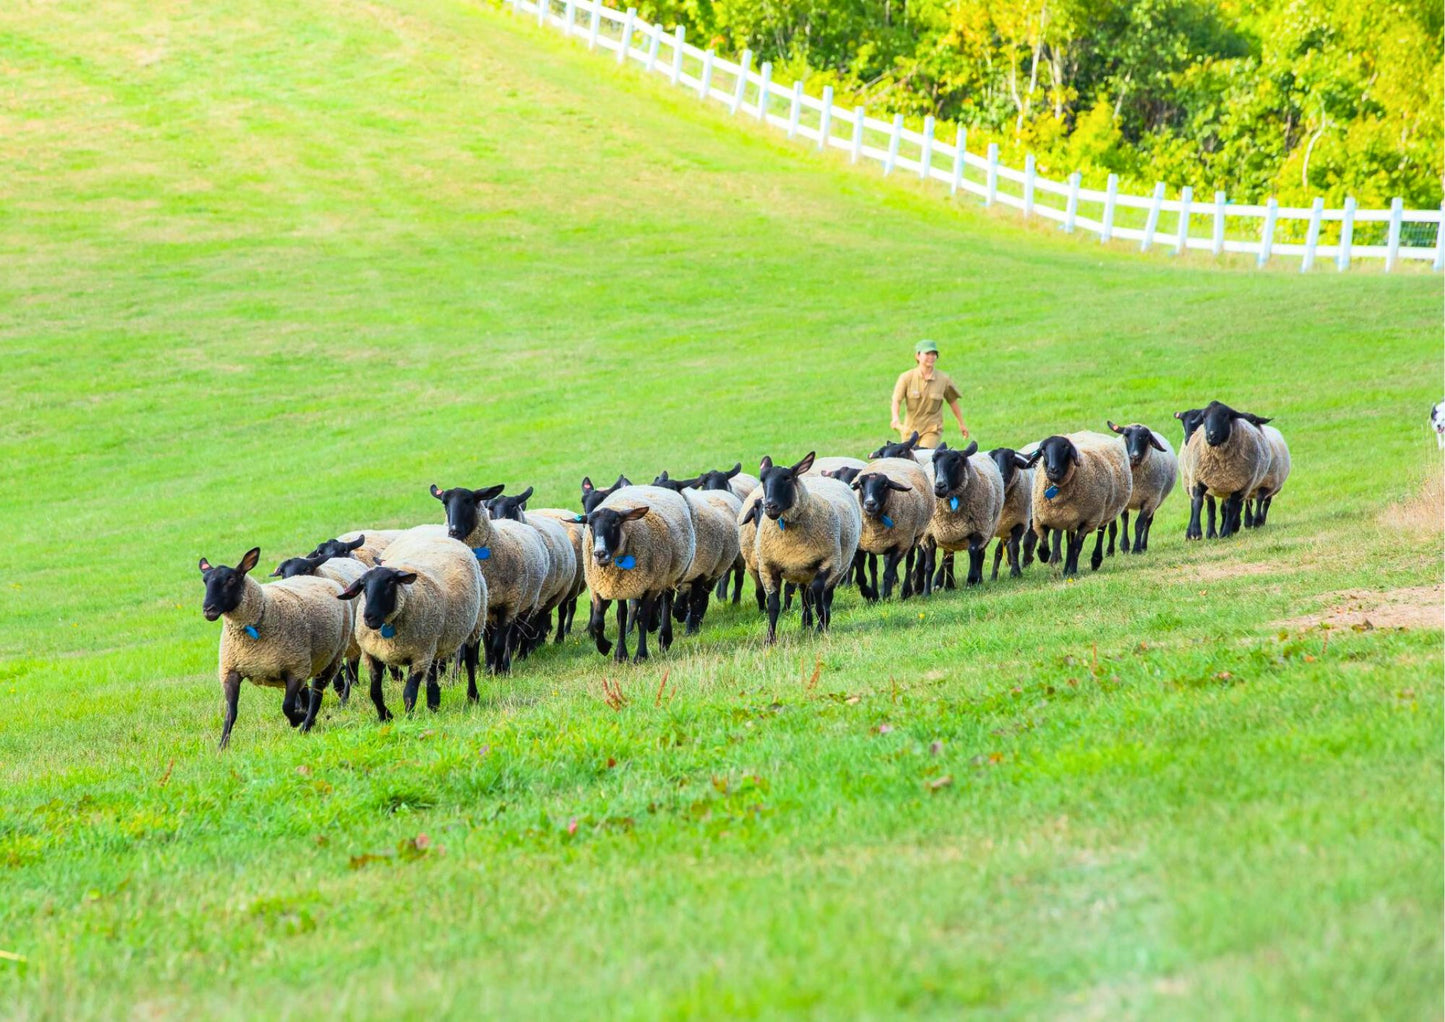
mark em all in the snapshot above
pixel 1229 458
pixel 1084 485
pixel 1015 521
pixel 1155 469
pixel 968 491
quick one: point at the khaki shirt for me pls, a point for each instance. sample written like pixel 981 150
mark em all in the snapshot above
pixel 924 400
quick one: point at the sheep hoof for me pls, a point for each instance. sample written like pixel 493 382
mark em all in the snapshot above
pixel 637 658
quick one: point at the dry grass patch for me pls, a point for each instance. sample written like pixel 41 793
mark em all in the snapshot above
pixel 1410 607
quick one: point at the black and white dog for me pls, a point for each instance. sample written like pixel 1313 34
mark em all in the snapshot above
pixel 1437 422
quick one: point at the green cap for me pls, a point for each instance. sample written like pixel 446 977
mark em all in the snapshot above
pixel 923 346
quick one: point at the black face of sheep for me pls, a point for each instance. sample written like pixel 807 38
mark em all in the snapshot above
pixel 608 539
pixel 380 586
pixel 843 475
pixel 950 468
pixel 1219 422
pixel 873 489
pixel 780 489
pixel 225 586
pixel 509 507
pixel 293 566
pixel 1059 456
pixel 463 506
pixel 592 496
pixel 897 450
pixel 676 485
pixel 337 548
pixel 1008 461
pixel 1137 440
pixel 1190 420
pixel 718 479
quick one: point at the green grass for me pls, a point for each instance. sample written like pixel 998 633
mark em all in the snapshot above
pixel 267 270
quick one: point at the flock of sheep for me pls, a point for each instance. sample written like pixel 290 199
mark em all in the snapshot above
pixel 485 584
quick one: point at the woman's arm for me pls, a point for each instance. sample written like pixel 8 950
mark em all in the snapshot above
pixel 957 414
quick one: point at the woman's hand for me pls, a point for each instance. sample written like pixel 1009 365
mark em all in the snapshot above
pixel 896 425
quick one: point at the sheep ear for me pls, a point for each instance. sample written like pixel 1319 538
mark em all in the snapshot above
pixel 355 544
pixel 942 447
pixel 1179 416
pixel 1032 459
pixel 807 463
pixel 1253 419
pixel 1020 461
pixel 436 492
pixel 739 467
pixel 276 573
pixel 1154 442
pixel 1116 429
pixel 662 478
pixel 765 464
pixel 894 484
pixel 913 440
pixel 688 484
pixel 1075 456
pixel 971 449
pixel 488 492
pixel 622 480
pixel 854 485
pixel 635 513
pixel 352 591
pixel 587 484
pixel 405 578
pixel 249 561
pixel 524 496
pixel 204 565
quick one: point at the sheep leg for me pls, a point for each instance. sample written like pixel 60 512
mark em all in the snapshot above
pixel 378 672
pixel 1141 531
pixel 664 635
pixel 907 589
pixel 1057 556
pixel 413 683
pixel 721 590
pixel 997 557
pixel 1098 556
pixel 1209 500
pixel 737 585
pixel 890 571
pixel 788 590
pixel 680 607
pixel 1232 506
pixel 1264 511
pixel 807 616
pixel 469 661
pixel 1031 539
pixel 1249 503
pixel 873 574
pixel 620 653
pixel 1071 558
pixel 1124 546
pixel 819 588
pixel 947 579
pixel 294 713
pixel 1113 533
pixel 433 687
pixel 925 568
pixel 1196 502
pixel 976 549
pixel 645 607
pixel 508 640
pixel 597 624
pixel 760 596
pixel 694 606
pixel 1016 535
pixel 318 693
pixel 231 692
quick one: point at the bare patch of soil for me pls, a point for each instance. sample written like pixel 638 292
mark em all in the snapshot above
pixel 1213 572
pixel 1412 607
pixel 1424 513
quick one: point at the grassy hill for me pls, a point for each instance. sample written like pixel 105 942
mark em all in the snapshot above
pixel 267 270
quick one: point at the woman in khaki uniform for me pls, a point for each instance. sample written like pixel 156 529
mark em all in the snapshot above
pixel 923 390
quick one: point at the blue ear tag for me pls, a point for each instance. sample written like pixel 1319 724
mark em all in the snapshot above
pixel 251 631
pixel 782 525
pixel 388 631
pixel 483 552
pixel 1051 492
pixel 626 563
pixel 953 503
pixel 887 522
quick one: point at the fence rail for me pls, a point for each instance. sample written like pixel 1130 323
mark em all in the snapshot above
pixel 1267 231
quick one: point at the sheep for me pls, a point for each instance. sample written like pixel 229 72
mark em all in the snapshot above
pixel 514 561
pixel 561 574
pixel 969 492
pixel 640 542
pixel 426 603
pixel 1273 481
pixel 733 479
pixel 276 635
pixel 1085 483
pixel 896 501
pixel 1190 420
pixel 900 449
pixel 592 496
pixel 1155 470
pixel 343 571
pixel 809 539
pixel 834 463
pixel 739 484
pixel 365 546
pixel 715 514
pixel 747 545
pixel 1015 521
pixel 573 523
pixel 1230 458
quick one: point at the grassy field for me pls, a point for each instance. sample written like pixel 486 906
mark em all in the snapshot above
pixel 269 269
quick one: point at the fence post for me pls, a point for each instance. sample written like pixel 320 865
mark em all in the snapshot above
pixel 1347 236
pixel 765 89
pixel 825 123
pixel 1392 251
pixel 570 17
pixel 960 148
pixel 1266 240
pixel 543 9
pixel 743 65
pixel 893 141
pixel 1181 240
pixel 594 25
pixel 795 111
pixel 925 156
pixel 704 82
pixel 1028 186
pixel 1109 197
pixel 1151 222
pixel 860 114
pixel 1439 263
pixel 652 47
pixel 1218 223
pixel 1312 237
pixel 627 27
pixel 1071 208
pixel 992 174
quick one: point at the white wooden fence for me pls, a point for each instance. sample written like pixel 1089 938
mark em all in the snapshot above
pixel 1266 231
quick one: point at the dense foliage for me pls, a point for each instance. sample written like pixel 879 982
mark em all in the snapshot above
pixel 1292 98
